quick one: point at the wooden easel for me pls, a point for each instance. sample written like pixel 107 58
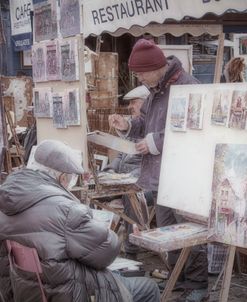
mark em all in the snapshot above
pixel 106 191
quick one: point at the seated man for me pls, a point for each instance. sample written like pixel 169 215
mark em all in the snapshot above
pixel 129 163
pixel 37 210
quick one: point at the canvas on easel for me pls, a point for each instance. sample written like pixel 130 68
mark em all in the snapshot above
pixel 228 217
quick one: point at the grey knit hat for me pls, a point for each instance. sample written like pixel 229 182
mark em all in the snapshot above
pixel 58 156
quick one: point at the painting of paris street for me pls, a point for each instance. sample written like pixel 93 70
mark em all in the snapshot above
pixel 58 111
pixel 52 62
pixel 70 17
pixel 195 111
pixel 69 60
pixel 72 109
pixel 238 113
pixel 45 20
pixel 39 62
pixel 42 102
pixel 228 218
pixel 179 112
pixel 221 107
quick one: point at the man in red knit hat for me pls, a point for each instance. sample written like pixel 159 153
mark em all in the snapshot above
pixel 158 73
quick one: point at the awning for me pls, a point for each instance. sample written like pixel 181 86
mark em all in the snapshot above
pixel 120 15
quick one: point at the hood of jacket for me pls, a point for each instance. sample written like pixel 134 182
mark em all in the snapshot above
pixel 17 193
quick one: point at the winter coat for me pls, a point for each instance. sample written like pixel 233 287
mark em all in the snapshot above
pixel 151 123
pixel 74 249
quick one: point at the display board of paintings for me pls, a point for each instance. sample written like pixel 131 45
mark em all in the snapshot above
pixel 199 117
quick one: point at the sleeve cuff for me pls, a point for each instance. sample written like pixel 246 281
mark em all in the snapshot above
pixel 151 144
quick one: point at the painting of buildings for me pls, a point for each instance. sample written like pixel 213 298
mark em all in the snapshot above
pixel 70 17
pixel 221 107
pixel 45 20
pixel 195 111
pixel 52 62
pixel 72 109
pixel 39 62
pixel 179 112
pixel 228 219
pixel 58 111
pixel 69 60
pixel 42 102
pixel 238 112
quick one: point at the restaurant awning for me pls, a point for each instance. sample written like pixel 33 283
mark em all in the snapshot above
pixel 135 16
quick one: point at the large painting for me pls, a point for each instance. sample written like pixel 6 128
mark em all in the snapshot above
pixel 228 219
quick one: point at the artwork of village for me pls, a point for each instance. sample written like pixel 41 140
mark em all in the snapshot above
pixel 228 218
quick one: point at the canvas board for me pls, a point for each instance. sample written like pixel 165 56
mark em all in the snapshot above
pixel 188 159
pixel 228 219
pixel 182 52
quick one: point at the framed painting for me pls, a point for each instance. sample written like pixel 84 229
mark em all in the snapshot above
pixel 240 49
pixel 182 52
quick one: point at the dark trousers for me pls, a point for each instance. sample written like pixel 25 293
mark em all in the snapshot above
pixel 195 272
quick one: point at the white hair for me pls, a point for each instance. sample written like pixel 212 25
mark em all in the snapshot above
pixel 35 166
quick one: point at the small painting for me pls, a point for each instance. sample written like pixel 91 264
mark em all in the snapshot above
pixel 58 111
pixel 195 111
pixel 39 62
pixel 70 17
pixel 52 62
pixel 179 112
pixel 42 102
pixel 72 107
pixel 228 218
pixel 221 107
pixel 69 61
pixel 238 112
pixel 45 20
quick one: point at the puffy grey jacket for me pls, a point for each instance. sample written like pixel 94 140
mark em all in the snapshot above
pixel 74 249
pixel 151 123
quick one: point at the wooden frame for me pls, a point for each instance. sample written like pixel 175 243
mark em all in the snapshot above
pixel 182 52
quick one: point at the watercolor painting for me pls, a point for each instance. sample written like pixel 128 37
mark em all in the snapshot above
pixel 58 111
pixel 39 62
pixel 42 102
pixel 70 17
pixel 228 218
pixel 52 62
pixel 179 112
pixel 195 111
pixel 69 61
pixel 45 20
pixel 175 231
pixel 103 217
pixel 221 107
pixel 72 107
pixel 238 112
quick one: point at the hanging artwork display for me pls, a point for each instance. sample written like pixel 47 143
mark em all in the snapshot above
pixel 187 164
pixel 39 62
pixel 69 17
pixel 52 62
pixel 42 102
pixel 45 20
pixel 69 60
pixel 72 107
pixel 228 218
pixel 58 111
pixel 221 107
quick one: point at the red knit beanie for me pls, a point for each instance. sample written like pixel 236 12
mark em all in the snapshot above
pixel 146 56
